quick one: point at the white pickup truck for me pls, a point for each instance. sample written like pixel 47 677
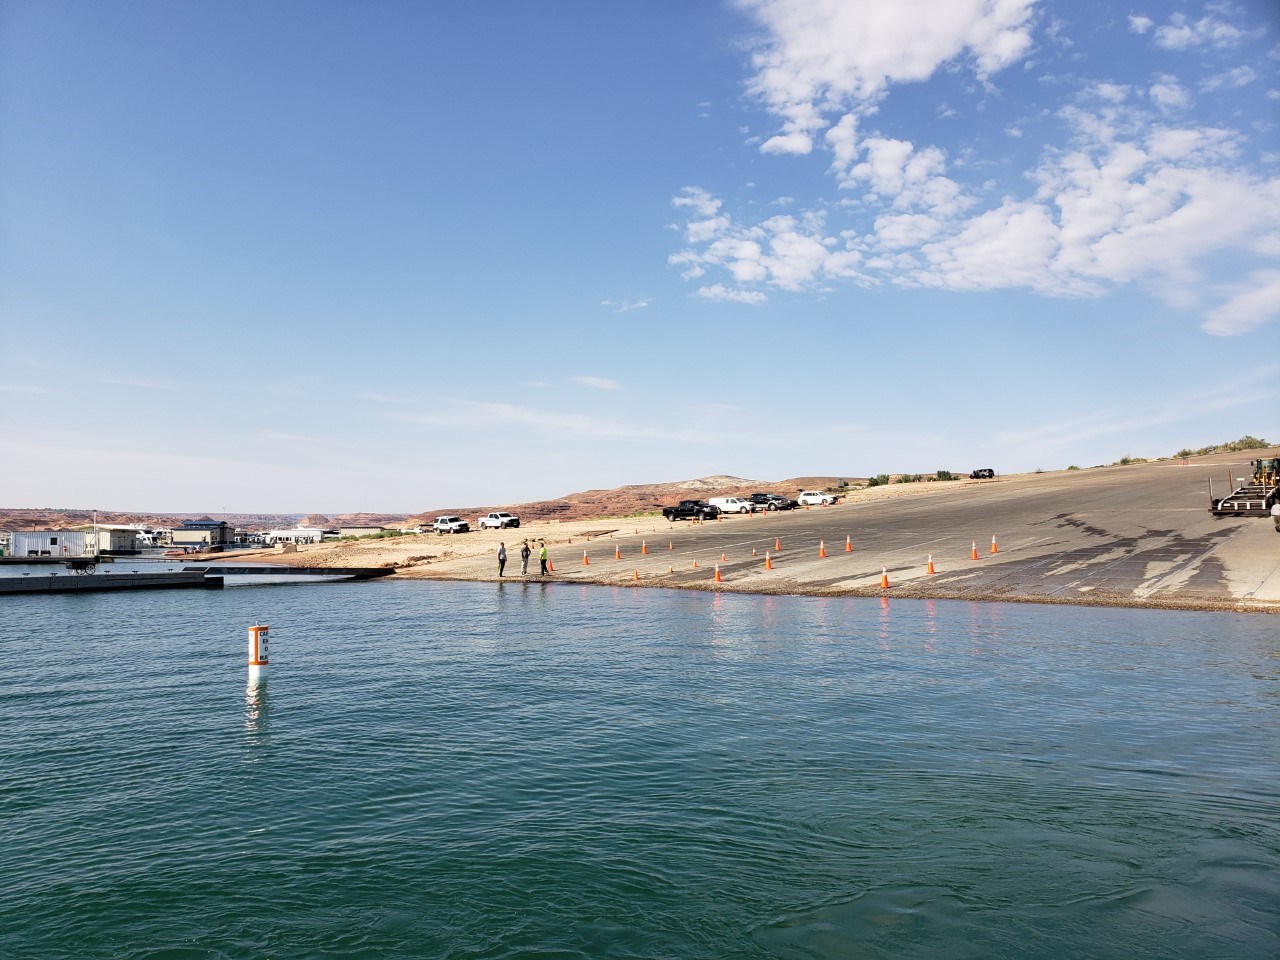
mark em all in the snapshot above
pixel 450 525
pixel 498 520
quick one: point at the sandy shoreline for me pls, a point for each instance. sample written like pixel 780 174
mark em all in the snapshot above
pixel 649 552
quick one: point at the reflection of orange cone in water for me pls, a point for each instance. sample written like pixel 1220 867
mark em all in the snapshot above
pixel 822 548
pixel 994 548
pixel 929 568
pixel 974 554
pixel 848 544
pixel 585 561
pixel 768 561
pixel 884 579
pixel 718 580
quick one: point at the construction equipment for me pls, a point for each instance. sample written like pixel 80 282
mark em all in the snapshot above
pixel 1253 496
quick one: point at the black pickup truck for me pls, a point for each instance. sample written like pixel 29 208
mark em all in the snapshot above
pixel 691 510
pixel 771 501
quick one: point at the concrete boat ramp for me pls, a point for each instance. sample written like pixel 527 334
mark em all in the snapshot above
pixel 211 577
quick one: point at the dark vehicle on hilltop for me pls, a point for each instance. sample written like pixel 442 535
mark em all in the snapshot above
pixel 771 501
pixel 983 473
pixel 691 510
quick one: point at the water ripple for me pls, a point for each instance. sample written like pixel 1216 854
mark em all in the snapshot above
pixel 457 770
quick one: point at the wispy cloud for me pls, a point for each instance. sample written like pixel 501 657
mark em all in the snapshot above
pixel 597 383
pixel 469 414
pixel 289 437
pixel 373 397
pixel 1250 388
pixel 623 306
pixel 140 384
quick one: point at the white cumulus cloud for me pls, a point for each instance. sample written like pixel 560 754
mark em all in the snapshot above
pixel 1182 34
pixel 820 57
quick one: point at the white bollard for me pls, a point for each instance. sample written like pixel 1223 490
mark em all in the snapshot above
pixel 258 637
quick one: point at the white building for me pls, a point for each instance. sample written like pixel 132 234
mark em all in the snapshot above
pixel 296 535
pixel 52 543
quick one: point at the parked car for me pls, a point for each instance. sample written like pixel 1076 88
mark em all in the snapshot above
pixel 691 510
pixel 732 504
pixel 450 525
pixel 982 473
pixel 814 498
pixel 498 520
pixel 772 501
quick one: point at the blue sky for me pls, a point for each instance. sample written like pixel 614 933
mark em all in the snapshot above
pixel 324 256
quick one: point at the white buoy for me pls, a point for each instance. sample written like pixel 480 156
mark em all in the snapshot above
pixel 258 637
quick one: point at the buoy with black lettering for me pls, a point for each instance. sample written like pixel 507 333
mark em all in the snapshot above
pixel 258 637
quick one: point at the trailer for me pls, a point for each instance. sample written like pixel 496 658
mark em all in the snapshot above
pixel 1257 495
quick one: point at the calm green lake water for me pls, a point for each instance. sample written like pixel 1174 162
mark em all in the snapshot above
pixel 468 770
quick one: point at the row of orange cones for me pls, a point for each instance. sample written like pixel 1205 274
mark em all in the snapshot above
pixel 777 548
pixel 768 563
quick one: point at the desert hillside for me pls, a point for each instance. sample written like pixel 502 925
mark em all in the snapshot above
pixel 620 502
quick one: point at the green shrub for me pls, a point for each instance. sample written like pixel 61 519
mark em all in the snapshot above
pixel 879 480
pixel 1073 467
pixel 1246 442
pixel 945 475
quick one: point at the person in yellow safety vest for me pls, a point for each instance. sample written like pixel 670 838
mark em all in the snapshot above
pixel 542 557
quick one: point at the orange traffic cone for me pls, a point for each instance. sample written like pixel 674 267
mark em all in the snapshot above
pixel 718 580
pixel 994 548
pixel 973 555
pixel 637 575
pixel 768 561
pixel 617 552
pixel 695 564
pixel 670 545
pixel 753 551
pixel 777 544
pixel 644 548
pixel 551 566
pixel 929 568
pixel 585 561
pixel 671 569
pixel 822 548
pixel 884 579
pixel 848 544
pixel 724 558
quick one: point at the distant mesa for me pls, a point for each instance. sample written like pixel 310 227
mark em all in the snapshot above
pixel 314 520
pixel 716 483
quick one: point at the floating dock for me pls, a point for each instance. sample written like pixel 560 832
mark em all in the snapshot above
pixel 351 573
pixel 99 582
